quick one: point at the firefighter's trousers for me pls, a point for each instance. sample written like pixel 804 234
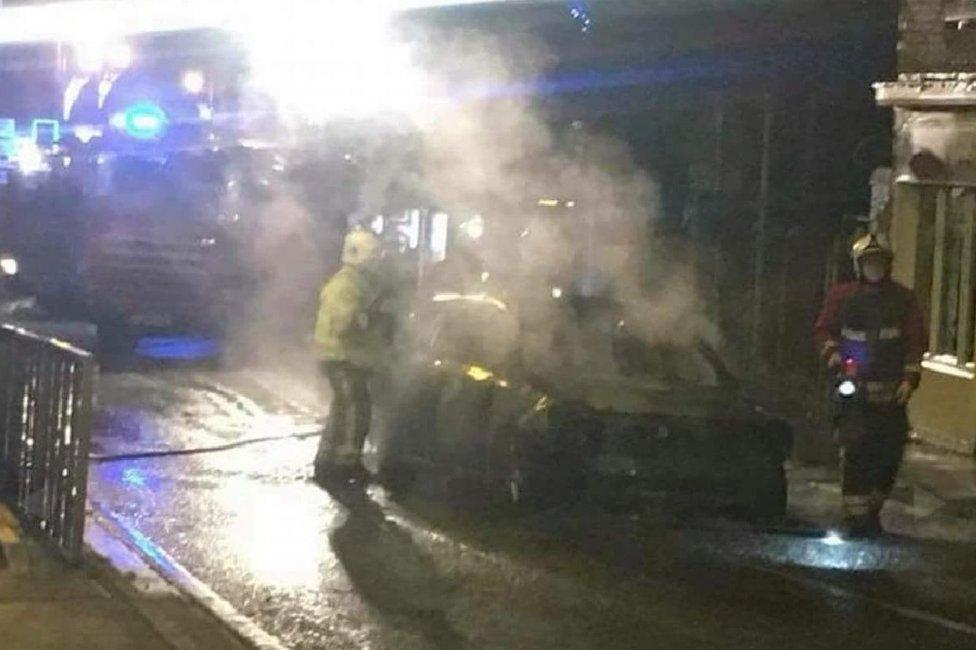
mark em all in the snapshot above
pixel 349 416
pixel 872 444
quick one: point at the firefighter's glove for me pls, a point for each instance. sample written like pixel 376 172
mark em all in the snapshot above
pixel 835 360
pixel 904 392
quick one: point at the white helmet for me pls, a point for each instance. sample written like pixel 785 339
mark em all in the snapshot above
pixel 360 247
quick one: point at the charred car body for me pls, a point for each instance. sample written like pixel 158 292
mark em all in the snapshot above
pixel 652 417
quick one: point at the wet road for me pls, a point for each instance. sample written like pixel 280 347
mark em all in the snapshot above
pixel 354 569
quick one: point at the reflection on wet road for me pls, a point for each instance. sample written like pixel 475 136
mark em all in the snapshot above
pixel 348 568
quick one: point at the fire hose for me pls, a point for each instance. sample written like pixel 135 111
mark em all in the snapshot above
pixel 299 433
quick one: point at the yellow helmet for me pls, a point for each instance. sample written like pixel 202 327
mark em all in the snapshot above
pixel 872 244
pixel 360 247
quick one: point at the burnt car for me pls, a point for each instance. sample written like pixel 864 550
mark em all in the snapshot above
pixel 474 406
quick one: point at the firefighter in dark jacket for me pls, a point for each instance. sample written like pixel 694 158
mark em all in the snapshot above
pixel 874 326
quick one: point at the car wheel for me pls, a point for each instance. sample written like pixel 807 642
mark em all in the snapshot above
pixel 398 477
pixel 505 480
pixel 526 479
pixel 403 441
pixel 766 495
pixel 517 489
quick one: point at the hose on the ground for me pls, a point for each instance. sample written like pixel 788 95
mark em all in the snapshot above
pixel 163 453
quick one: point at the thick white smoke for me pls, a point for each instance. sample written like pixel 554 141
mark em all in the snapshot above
pixel 479 144
pixel 491 149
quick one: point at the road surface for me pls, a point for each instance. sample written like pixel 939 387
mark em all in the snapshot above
pixel 357 569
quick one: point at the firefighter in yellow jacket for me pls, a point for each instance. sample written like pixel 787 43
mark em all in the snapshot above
pixel 351 341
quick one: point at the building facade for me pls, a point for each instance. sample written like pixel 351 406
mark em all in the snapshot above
pixel 933 215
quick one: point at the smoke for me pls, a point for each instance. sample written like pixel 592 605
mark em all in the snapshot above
pixel 566 213
pixel 490 149
pixel 287 256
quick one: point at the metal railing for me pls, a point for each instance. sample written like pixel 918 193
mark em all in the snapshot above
pixel 45 431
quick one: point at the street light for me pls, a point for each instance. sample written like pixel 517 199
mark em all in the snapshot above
pixel 8 265
pixel 194 82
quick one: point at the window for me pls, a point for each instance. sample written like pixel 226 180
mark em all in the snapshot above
pixel 946 271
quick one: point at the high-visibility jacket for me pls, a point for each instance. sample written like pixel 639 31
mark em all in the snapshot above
pixel 881 328
pixel 349 326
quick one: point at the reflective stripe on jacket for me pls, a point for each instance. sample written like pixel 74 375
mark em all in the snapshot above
pixel 881 327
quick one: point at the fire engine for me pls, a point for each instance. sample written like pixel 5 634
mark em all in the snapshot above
pixel 131 209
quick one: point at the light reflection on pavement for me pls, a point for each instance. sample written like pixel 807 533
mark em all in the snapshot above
pixel 272 534
pixel 354 569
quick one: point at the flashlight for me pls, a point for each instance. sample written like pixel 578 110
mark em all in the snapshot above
pixel 847 388
pixel 847 384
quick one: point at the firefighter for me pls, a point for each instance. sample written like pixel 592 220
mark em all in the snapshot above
pixel 351 339
pixel 874 325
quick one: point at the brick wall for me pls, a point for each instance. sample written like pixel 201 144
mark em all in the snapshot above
pixel 937 36
pixel 922 36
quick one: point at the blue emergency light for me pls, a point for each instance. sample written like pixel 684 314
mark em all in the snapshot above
pixel 144 121
pixel 8 136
